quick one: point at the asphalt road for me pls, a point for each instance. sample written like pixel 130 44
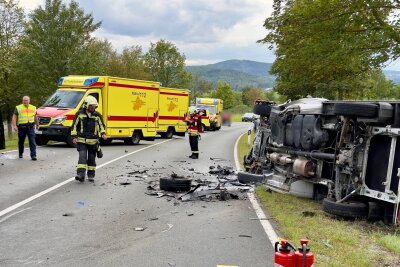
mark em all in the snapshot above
pixel 94 224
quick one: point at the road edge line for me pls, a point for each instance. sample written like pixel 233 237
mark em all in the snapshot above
pixel 48 190
pixel 268 229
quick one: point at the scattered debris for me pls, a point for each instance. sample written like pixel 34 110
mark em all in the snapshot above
pixel 248 236
pixel 169 228
pixel 125 183
pixel 80 204
pixel 126 151
pixel 326 243
pixel 217 159
pixel 190 214
pixel 140 229
pixel 191 169
pixel 171 264
pixel 153 219
pixel 308 213
pixel 68 214
pixel 221 170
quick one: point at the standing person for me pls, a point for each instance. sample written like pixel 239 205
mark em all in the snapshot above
pixel 24 121
pixel 194 124
pixel 86 129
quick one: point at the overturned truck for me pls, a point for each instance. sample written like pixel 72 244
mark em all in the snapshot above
pixel 345 153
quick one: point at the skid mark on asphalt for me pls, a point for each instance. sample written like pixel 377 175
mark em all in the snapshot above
pixel 19 204
pixel 269 230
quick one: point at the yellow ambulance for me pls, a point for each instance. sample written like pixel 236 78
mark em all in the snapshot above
pixel 212 119
pixel 173 108
pixel 130 108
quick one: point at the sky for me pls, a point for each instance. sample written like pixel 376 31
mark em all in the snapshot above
pixel 206 31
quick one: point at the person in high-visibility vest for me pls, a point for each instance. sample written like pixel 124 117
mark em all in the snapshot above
pixel 24 121
pixel 194 126
pixel 86 129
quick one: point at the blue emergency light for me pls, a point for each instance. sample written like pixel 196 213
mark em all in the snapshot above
pixel 90 81
pixel 60 81
pixel 215 101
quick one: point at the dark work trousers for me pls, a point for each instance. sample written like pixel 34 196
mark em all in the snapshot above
pixel 87 160
pixel 23 131
pixel 194 144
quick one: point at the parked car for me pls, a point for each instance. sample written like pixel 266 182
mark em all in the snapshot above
pixel 248 117
pixel 344 153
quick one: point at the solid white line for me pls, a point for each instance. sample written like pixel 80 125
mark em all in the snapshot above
pixel 19 204
pixel 268 229
pixel 15 150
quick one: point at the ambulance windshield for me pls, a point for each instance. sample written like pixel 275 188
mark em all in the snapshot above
pixel 64 99
pixel 211 109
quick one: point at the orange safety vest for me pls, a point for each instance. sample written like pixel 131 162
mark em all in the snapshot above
pixel 26 114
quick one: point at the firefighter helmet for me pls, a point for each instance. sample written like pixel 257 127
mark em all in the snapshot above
pixel 90 100
pixel 192 110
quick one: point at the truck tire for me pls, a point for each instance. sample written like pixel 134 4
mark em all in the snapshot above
pixel 347 209
pixel 365 110
pixel 175 184
pixel 41 140
pixel 262 109
pixel 249 178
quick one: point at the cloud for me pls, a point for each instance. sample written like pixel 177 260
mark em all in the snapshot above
pixel 204 30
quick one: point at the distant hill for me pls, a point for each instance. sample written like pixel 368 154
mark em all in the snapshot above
pixel 238 73
pixel 242 73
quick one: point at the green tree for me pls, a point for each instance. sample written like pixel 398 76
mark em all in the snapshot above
pixel 224 91
pixel 250 94
pixel 11 30
pixel 57 38
pixel 324 48
pixel 200 87
pixel 128 64
pixel 166 65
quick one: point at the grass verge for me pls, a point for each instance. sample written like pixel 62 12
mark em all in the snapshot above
pixel 335 241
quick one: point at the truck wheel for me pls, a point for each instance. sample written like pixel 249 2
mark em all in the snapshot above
pixel 365 110
pixel 175 185
pixel 348 209
pixel 249 178
pixel 41 140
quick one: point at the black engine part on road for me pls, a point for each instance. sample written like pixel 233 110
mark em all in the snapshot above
pixel 248 178
pixel 348 209
pixel 175 184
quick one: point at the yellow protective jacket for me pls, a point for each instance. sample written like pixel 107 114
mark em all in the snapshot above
pixel 87 129
pixel 26 114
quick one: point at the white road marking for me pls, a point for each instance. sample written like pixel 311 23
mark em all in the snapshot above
pixel 15 213
pixel 19 204
pixel 269 230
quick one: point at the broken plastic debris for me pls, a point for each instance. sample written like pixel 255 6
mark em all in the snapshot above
pixel 139 229
pixel 67 214
pixel 249 236
pixel 81 204
pixel 125 183
pixel 326 243
pixel 169 228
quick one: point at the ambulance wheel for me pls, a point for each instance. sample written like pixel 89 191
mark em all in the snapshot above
pixel 170 133
pixel 69 141
pixel 134 140
pixel 105 142
pixel 41 141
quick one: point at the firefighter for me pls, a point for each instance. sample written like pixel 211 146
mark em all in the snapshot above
pixel 86 129
pixel 194 125
pixel 24 121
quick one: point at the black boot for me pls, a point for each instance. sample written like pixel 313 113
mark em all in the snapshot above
pixel 195 156
pixel 191 156
pixel 80 178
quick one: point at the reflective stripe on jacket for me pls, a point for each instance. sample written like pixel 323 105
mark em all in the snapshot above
pixel 26 114
pixel 87 129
